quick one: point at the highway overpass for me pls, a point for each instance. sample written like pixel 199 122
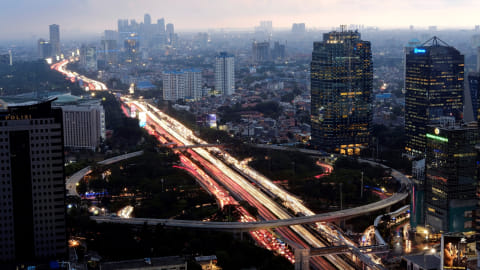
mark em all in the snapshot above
pixel 251 226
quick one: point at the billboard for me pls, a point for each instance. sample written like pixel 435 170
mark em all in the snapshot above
pixel 212 120
pixel 453 255
pixel 133 111
pixel 142 117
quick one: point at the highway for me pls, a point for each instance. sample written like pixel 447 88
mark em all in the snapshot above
pixel 88 84
pixel 248 226
pixel 244 190
pixel 220 168
pixel 236 184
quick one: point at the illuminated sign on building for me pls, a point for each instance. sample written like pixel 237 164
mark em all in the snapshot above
pixel 419 50
pixel 142 117
pixel 438 138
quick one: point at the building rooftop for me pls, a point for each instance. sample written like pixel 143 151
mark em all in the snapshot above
pixel 424 261
pixel 147 263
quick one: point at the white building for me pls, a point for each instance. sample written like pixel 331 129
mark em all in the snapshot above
pixel 225 74
pixel 83 125
pixel 184 84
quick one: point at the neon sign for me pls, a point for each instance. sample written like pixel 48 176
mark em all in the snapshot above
pixel 419 50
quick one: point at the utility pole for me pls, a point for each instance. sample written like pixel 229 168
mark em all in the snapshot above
pixel 341 199
pixel 361 188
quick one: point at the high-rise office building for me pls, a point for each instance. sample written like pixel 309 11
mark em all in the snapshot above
pixel 44 49
pixel 298 28
pixel 159 37
pixel 132 48
pixel 147 20
pixel 225 74
pixel 434 88
pixel 88 57
pixel 451 176
pixel 55 39
pixel 478 59
pixel 261 51
pixel 183 84
pixel 265 28
pixel 473 80
pixel 110 51
pixel 32 192
pixel 170 34
pixel 341 92
pixel 278 51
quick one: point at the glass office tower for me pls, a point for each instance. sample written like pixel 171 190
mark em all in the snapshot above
pixel 341 83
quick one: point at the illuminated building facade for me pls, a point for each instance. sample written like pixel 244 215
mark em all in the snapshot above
pixel 341 92
pixel 450 177
pixel 32 192
pixel 434 89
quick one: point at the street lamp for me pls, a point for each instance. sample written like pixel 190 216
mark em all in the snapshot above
pixel 361 188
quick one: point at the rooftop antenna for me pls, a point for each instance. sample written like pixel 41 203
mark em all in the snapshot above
pixel 435 41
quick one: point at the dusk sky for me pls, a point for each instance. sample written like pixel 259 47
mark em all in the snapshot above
pixel 29 18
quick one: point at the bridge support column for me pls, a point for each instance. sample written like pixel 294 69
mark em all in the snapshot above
pixel 302 257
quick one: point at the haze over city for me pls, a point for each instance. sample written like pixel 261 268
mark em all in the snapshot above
pixel 92 17
pixel 193 134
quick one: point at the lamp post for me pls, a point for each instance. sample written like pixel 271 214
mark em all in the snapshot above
pixel 361 188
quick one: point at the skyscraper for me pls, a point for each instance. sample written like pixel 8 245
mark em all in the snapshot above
pixel 147 20
pixel 225 74
pixel 44 49
pixel 451 176
pixel 55 39
pixel 434 88
pixel 32 192
pixel 261 51
pixel 298 28
pixel 132 48
pixel 88 57
pixel 473 80
pixel 170 33
pixel 341 92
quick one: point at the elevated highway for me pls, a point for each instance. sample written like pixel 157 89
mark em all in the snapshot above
pixel 74 179
pixel 251 226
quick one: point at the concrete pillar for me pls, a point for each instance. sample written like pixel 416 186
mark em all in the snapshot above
pixel 302 257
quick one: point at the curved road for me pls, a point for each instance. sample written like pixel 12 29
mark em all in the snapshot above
pixel 73 180
pixel 248 226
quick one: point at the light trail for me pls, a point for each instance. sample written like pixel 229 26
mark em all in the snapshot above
pixel 263 237
pixel 235 182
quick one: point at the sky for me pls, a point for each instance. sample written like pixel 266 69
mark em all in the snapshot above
pixel 32 17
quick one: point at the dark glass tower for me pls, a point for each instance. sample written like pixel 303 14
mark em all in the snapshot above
pixel 474 86
pixel 434 89
pixel 32 192
pixel 341 82
pixel 451 179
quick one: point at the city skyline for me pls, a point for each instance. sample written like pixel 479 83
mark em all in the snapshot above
pixel 92 17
